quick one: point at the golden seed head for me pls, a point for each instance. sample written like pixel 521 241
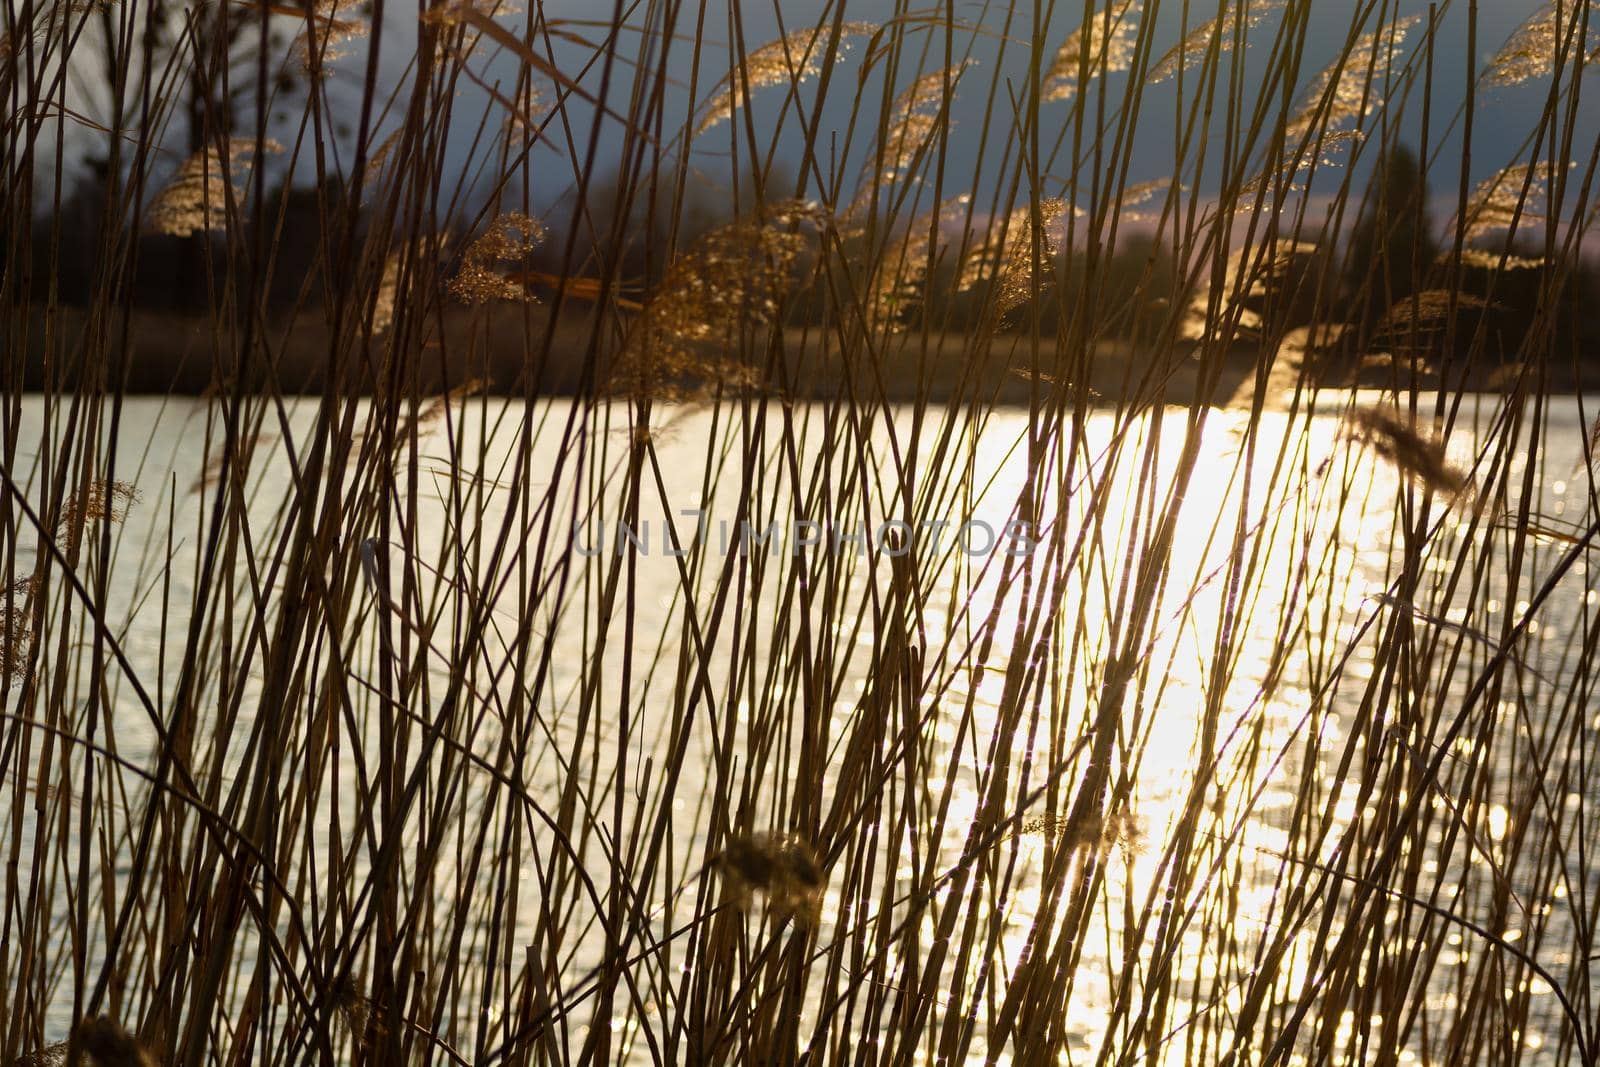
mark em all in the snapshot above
pixel 196 199
pixel 731 282
pixel 1098 833
pixel 1532 50
pixel 1517 195
pixel 488 265
pixel 1489 259
pixel 1005 260
pixel 414 253
pixel 1424 311
pixel 1353 86
pixel 1142 193
pixel 325 37
pixel 533 103
pixel 99 500
pixel 1198 42
pixel 898 282
pixel 61 17
pixel 1107 40
pixel 784 868
pixel 1396 440
pixel 792 59
pixel 16 637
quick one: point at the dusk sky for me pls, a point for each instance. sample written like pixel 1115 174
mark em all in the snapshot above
pixel 1505 118
pixel 1504 123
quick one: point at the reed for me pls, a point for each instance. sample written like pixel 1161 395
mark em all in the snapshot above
pixel 766 535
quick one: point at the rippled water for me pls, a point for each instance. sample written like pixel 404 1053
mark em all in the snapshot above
pixel 1266 672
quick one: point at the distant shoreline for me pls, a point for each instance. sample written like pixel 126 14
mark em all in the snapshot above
pixel 177 355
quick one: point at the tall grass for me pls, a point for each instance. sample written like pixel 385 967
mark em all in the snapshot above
pixel 335 730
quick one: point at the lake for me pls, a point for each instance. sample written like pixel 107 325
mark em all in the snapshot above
pixel 523 675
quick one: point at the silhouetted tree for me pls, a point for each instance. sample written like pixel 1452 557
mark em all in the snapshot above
pixel 1392 246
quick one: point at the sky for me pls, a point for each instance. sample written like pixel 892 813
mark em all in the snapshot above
pixel 1505 117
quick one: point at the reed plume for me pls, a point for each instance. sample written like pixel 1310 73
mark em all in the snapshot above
pixel 1352 87
pixel 1184 55
pixel 733 281
pixel 1513 198
pixel 792 59
pixel 410 258
pixel 99 500
pixel 1489 259
pixel 1288 167
pixel 1248 273
pixel 782 868
pixel 196 199
pixel 493 256
pixel 1104 44
pixel 1532 50
pixel 1099 834
pixel 16 632
pixel 1395 439
pixel 59 17
pixel 1414 324
pixel 326 33
pixel 533 103
pixel 898 283
pixel 1138 195
pixel 915 120
pixel 433 410
pixel 1005 260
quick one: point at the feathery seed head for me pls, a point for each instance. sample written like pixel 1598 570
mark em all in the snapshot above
pixel 1396 440
pixel 1223 29
pixel 784 868
pixel 1107 40
pixel 196 199
pixel 1532 50
pixel 1352 87
pixel 1005 260
pixel 792 59
pixel 488 260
